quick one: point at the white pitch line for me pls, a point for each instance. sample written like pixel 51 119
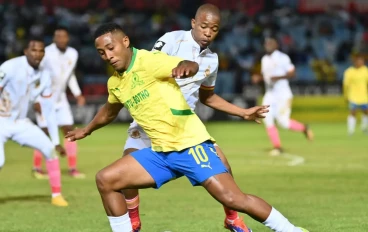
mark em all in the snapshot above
pixel 295 159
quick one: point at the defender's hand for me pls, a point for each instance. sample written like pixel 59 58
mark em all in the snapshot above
pixel 81 100
pixel 255 113
pixel 37 108
pixel 60 150
pixel 185 69
pixel 77 134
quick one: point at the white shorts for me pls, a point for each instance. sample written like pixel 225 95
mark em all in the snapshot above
pixel 280 110
pixel 25 133
pixel 137 138
pixel 64 116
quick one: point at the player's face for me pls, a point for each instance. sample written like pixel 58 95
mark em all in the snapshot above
pixel 205 28
pixel 35 53
pixel 61 39
pixel 114 49
pixel 270 45
pixel 359 61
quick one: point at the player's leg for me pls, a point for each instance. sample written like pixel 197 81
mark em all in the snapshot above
pixel 224 189
pixel 351 121
pixel 136 140
pixel 28 134
pixel 364 125
pixel 65 121
pixel 269 122
pixel 232 218
pixel 37 171
pixel 141 169
pixel 284 120
pixel 203 167
pixel 2 153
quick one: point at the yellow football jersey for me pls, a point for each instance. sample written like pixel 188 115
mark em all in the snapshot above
pixel 155 101
pixel 356 85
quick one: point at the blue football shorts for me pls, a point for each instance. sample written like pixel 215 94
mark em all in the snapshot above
pixel 353 106
pixel 197 163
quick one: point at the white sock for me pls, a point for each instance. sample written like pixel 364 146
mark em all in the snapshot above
pixel 278 223
pixel 364 122
pixel 120 224
pixel 55 194
pixel 351 124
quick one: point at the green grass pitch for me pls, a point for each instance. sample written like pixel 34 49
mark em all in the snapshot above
pixel 328 192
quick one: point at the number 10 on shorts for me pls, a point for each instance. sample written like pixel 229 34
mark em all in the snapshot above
pixel 199 154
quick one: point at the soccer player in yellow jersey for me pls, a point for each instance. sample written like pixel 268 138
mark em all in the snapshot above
pixel 356 92
pixel 144 83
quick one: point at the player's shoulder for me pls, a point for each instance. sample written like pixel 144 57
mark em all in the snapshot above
pixel 14 62
pixel 113 80
pixel 176 34
pixel 72 51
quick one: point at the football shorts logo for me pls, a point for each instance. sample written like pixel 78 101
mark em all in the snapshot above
pixel 159 45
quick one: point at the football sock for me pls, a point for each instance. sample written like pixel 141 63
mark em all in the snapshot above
pixel 231 215
pixel 37 159
pixel 133 208
pixel 273 134
pixel 296 126
pixel 364 122
pixel 53 169
pixel 277 222
pixel 120 224
pixel 351 124
pixel 71 152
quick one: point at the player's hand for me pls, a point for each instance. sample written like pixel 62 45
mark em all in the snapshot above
pixel 77 134
pixel 256 78
pixel 37 108
pixel 275 79
pixel 255 113
pixel 185 69
pixel 81 100
pixel 60 150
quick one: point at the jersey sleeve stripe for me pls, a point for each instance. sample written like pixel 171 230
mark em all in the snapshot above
pixel 181 112
pixel 207 87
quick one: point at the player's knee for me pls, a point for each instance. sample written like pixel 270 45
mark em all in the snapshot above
pixel 48 151
pixel 283 123
pixel 104 181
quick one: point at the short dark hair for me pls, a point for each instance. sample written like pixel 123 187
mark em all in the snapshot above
pixel 107 28
pixel 32 39
pixel 62 28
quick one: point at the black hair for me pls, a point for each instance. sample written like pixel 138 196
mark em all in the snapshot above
pixel 62 28
pixel 33 38
pixel 107 28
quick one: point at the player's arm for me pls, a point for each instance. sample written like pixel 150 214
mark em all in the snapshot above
pixel 208 97
pixel 346 82
pixel 5 70
pixel 288 67
pixel 105 115
pixel 163 66
pixel 75 89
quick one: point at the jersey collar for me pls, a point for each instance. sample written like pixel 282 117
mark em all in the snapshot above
pixel 133 59
pixel 189 36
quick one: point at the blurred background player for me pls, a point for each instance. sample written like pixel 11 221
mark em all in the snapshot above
pixel 355 86
pixel 277 69
pixel 61 59
pixel 191 45
pixel 21 81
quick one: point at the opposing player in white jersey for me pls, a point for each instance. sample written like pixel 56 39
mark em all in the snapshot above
pixel 61 60
pixel 22 80
pixel 192 45
pixel 277 69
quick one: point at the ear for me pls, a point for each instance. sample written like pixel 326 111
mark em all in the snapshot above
pixel 126 41
pixel 193 23
pixel 25 51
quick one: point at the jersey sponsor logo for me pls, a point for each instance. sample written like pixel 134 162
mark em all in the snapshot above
pixel 136 80
pixel 136 99
pixel 159 45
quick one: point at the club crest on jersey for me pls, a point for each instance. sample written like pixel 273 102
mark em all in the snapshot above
pixel 136 80
pixel 159 45
pixel 207 72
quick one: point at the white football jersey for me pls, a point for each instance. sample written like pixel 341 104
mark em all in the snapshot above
pixel 21 85
pixel 182 44
pixel 277 64
pixel 62 65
